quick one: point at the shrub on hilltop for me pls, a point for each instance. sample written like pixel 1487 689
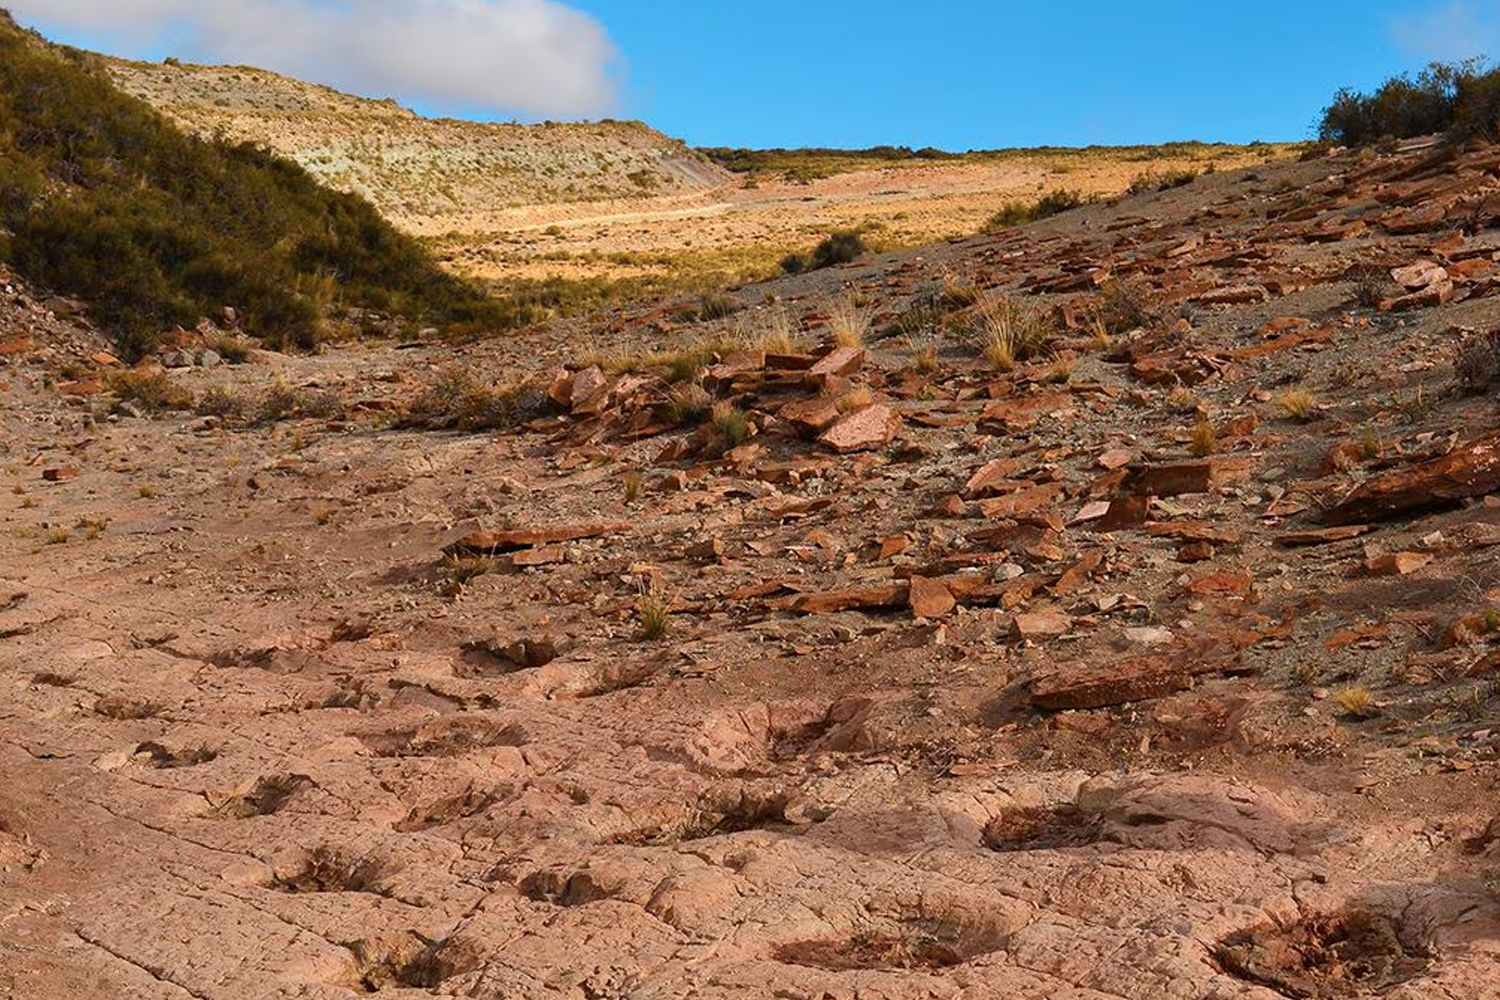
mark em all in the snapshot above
pixel 1461 100
pixel 103 199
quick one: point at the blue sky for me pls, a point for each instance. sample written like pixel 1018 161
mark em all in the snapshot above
pixel 957 74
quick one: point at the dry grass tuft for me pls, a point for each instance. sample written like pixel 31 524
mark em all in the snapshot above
pixel 731 422
pixel 1203 440
pixel 855 399
pixel 848 322
pixel 653 617
pixel 1296 404
pixel 1010 333
pixel 1355 701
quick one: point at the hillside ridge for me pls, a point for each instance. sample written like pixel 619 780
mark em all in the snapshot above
pixel 424 174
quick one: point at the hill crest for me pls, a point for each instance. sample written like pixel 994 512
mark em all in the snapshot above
pixel 424 174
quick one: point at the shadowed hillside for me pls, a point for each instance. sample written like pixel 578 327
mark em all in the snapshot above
pixel 102 198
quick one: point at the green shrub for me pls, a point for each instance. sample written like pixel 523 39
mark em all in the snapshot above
pixel 1018 213
pixel 842 247
pixel 1459 99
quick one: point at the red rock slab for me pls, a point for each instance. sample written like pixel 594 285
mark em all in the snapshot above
pixel 489 543
pixel 810 416
pixel 1039 626
pixel 1416 220
pixel 889 595
pixel 1224 582
pixel 1019 413
pixel 1193 531
pixel 1100 685
pixel 1433 295
pixel 20 346
pixel 1322 536
pixel 1174 367
pixel 990 476
pixel 930 598
pixel 1471 269
pixel 1189 477
pixel 1397 563
pixel 1418 275
pixel 1336 232
pixel 1470 470
pixel 1124 513
pixel 542 555
pixel 1024 501
pixel 1078 575
pixel 863 430
pixel 1285 342
pixel 839 361
pixel 61 473
pixel 1234 295
pixel 789 362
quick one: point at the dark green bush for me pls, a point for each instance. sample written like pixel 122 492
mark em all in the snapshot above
pixel 103 199
pixel 1018 213
pixel 1461 100
pixel 841 247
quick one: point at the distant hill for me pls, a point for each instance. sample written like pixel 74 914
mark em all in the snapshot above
pixel 426 175
pixel 104 199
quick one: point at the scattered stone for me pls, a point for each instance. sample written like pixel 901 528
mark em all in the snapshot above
pixel 1039 626
pixel 1092 685
pixel 842 361
pixel 873 427
pixel 930 598
pixel 891 595
pixel 489 543
pixel 1178 478
pixel 1322 536
pixel 1397 563
pixel 1470 470
pixel 60 473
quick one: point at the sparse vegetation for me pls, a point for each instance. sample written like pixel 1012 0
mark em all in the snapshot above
pixel 922 351
pixel 855 399
pixel 843 247
pixel 1010 333
pixel 779 336
pixel 463 570
pixel 653 617
pixel 1153 180
pixel 1370 287
pixel 630 484
pixel 1126 307
pixel 1355 701
pixel 689 403
pixel 1203 439
pixel 1296 404
pixel 848 322
pixel 1018 213
pixel 459 401
pixel 1477 365
pixel 731 422
pixel 154 392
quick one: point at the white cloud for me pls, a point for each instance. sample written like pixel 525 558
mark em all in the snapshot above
pixel 1455 30
pixel 539 57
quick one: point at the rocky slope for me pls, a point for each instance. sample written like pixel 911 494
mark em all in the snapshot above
pixel 975 683
pixel 426 175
